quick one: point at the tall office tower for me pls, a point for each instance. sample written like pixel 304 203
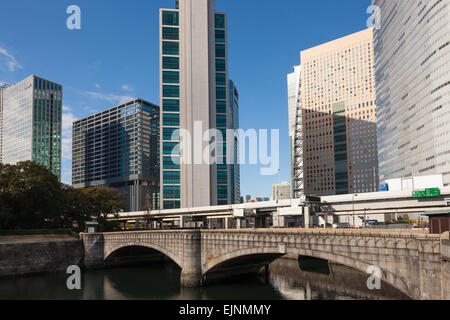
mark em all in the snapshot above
pixel 339 116
pixel 30 123
pixel 3 86
pixel 412 63
pixel 194 98
pixel 233 119
pixel 296 133
pixel 119 148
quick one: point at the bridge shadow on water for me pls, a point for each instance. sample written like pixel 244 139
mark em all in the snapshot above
pixel 143 273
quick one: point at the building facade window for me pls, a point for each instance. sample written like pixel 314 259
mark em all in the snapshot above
pixel 170 33
pixel 170 18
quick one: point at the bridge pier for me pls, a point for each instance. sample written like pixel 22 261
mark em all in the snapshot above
pixel 191 278
pixel 191 273
pixel 306 217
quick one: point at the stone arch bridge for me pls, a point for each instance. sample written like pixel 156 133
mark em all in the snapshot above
pixel 416 263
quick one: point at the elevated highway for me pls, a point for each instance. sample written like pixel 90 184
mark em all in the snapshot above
pixel 379 206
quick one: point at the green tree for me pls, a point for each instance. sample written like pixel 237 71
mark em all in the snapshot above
pixel 94 203
pixel 31 197
pixel 404 218
pixel 6 202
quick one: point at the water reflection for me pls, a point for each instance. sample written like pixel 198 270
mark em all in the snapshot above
pixel 332 282
pixel 161 281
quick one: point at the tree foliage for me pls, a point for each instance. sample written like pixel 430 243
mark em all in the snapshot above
pixel 32 197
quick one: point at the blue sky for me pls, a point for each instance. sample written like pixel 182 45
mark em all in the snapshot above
pixel 115 57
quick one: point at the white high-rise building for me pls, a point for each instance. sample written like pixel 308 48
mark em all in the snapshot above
pixel 194 98
pixel 412 62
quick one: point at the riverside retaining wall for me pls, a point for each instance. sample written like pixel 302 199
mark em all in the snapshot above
pixel 37 257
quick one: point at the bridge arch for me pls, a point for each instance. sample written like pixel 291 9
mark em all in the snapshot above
pixel 110 250
pixel 387 276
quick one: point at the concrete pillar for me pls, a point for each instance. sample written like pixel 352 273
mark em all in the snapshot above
pixel 183 222
pixel 306 216
pixel 94 250
pixel 282 221
pixel 278 221
pixel 205 222
pixel 191 278
pixel 191 273
pixel 228 223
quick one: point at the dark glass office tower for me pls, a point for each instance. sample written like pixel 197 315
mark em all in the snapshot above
pixel 119 148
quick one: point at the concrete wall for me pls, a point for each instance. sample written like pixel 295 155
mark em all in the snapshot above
pixel 37 257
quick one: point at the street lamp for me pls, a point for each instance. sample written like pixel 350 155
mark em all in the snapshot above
pixel 353 201
pixel 365 219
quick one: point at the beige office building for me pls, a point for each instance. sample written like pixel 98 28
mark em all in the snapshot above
pixel 337 99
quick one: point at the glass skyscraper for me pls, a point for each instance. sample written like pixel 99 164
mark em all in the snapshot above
pixel 194 91
pixel 119 148
pixel 30 123
pixel 412 63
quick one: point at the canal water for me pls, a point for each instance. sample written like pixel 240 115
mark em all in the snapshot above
pixel 294 279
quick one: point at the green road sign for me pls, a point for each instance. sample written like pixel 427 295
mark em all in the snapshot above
pixel 418 194
pixel 433 192
pixel 427 193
